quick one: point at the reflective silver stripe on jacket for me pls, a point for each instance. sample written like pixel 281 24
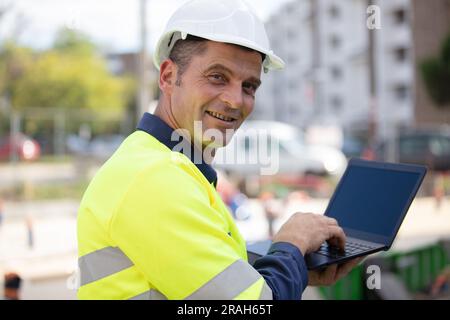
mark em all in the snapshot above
pixel 228 284
pixel 101 264
pixel 266 293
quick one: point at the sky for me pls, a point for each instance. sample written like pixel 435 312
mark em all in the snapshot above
pixel 113 24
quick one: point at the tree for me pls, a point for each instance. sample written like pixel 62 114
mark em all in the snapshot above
pixel 15 62
pixel 71 75
pixel 436 74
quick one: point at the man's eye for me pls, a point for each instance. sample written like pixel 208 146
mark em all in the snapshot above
pixel 249 89
pixel 217 78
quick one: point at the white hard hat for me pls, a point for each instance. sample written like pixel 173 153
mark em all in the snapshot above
pixel 229 21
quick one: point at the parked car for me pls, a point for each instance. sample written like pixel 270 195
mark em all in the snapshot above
pixel 77 145
pixel 352 147
pixel 24 147
pixel 280 149
pixel 101 147
pixel 430 147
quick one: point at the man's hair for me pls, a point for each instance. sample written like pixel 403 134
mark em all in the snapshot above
pixel 12 281
pixel 183 51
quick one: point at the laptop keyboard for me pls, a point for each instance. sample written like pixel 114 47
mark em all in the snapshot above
pixel 351 248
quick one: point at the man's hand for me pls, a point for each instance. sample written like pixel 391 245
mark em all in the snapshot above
pixel 332 274
pixel 309 231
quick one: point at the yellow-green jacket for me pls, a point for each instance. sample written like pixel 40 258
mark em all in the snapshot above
pixel 152 226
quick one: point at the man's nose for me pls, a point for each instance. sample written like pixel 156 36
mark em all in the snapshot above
pixel 233 96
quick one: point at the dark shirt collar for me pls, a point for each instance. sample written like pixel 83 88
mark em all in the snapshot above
pixel 157 128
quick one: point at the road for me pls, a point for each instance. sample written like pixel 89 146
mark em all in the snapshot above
pixel 35 173
pixel 48 266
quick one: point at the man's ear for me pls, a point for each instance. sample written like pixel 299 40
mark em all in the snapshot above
pixel 167 76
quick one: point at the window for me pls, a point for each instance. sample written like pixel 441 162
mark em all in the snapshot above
pixel 401 92
pixel 440 145
pixel 416 145
pixel 335 41
pixel 334 11
pixel 445 143
pixel 336 72
pixel 336 103
pixel 401 54
pixel 399 16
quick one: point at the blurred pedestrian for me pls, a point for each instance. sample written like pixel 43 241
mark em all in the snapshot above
pixel 441 283
pixel 1 212
pixel 368 153
pixel 438 189
pixel 30 231
pixel 231 195
pixel 271 210
pixel 12 286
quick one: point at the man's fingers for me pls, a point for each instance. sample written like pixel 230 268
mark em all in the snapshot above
pixel 345 268
pixel 333 273
pixel 331 221
pixel 329 275
pixel 336 236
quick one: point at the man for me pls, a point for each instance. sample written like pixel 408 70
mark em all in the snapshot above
pixel 151 224
pixel 11 288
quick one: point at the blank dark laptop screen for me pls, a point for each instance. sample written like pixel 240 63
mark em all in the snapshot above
pixel 377 198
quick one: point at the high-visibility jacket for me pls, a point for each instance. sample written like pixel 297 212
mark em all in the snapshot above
pixel 151 226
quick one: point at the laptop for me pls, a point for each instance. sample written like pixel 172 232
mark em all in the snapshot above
pixel 369 203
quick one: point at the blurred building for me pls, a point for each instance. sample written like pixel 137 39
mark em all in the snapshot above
pixel 129 64
pixel 123 63
pixel 325 44
pixel 431 26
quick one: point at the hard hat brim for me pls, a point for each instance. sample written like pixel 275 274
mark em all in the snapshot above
pixel 271 62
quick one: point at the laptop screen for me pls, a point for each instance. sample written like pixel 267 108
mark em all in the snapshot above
pixel 374 199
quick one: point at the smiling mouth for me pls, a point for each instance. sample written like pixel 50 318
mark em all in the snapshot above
pixel 220 117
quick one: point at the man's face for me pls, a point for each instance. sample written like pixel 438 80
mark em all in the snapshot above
pixel 217 90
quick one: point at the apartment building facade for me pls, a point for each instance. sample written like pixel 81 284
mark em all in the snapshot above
pixel 330 78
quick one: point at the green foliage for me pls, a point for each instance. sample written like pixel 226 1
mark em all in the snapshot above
pixel 71 75
pixel 70 81
pixel 72 42
pixel 445 55
pixel 436 74
pixel 14 63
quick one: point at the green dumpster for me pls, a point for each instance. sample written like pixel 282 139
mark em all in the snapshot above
pixel 416 268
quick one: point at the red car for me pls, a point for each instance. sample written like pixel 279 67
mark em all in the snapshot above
pixel 23 146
